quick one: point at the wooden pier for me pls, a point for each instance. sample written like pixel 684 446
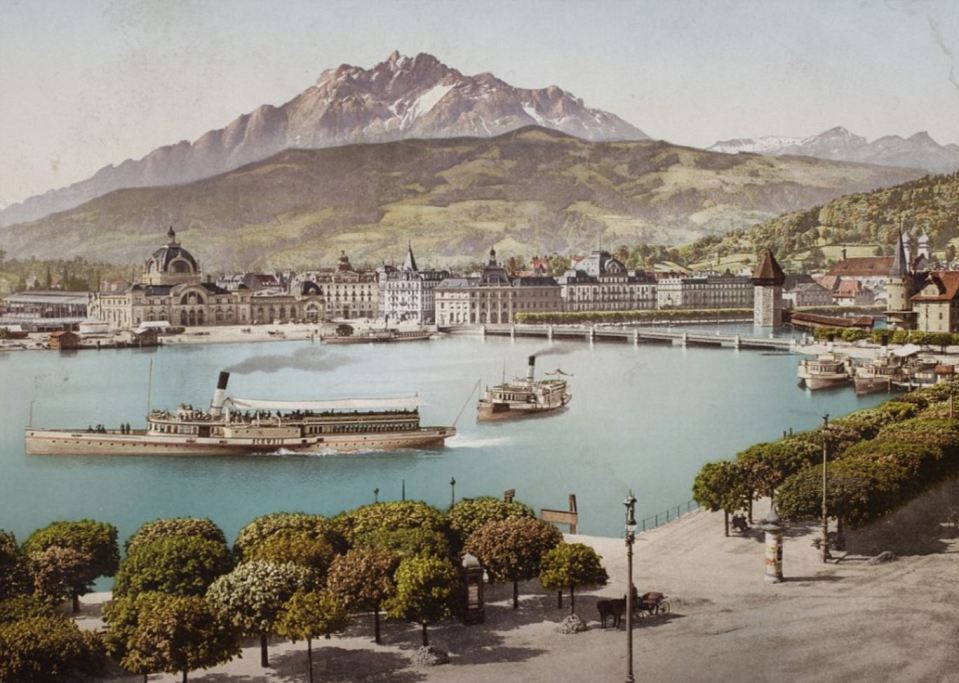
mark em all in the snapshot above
pixel 638 335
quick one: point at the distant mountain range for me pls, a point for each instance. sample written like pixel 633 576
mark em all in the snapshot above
pixel 838 144
pixel 399 98
pixel 529 191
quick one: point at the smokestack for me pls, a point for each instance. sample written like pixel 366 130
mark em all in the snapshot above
pixel 529 372
pixel 216 405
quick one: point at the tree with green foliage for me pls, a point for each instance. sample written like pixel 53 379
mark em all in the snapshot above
pixel 59 573
pixel 311 614
pixel 266 526
pixel 96 540
pixel 176 527
pixel 47 649
pixel 425 590
pixel 469 514
pixel 722 486
pixel 24 607
pixel 252 596
pixel 14 573
pixel 179 565
pixel 557 265
pixel 406 542
pixel 298 546
pixel 179 633
pixel 511 549
pixel 363 580
pixel 406 514
pixel 572 565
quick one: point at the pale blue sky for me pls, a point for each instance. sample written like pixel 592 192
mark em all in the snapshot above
pixel 86 83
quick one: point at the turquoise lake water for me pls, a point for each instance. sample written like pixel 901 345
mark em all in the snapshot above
pixel 641 417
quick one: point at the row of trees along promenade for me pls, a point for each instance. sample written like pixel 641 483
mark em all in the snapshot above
pixel 878 459
pixel 182 598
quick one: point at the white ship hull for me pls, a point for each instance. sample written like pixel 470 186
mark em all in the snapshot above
pixel 64 442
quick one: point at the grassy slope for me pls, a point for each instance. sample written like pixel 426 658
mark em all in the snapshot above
pixel 526 192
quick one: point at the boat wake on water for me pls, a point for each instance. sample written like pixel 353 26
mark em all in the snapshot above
pixel 461 441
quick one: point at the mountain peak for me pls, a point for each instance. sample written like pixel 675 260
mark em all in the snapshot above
pixel 840 144
pixel 401 97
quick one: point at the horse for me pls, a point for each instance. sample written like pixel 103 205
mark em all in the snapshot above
pixel 611 608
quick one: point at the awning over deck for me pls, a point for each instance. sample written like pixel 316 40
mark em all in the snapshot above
pixel 397 403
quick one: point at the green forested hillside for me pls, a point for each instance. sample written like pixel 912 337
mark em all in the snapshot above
pixel 864 223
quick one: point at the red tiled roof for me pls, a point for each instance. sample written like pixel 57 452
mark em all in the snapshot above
pixel 862 266
pixel 947 282
pixel 768 269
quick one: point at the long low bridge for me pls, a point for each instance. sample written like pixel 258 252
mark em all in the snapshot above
pixel 637 335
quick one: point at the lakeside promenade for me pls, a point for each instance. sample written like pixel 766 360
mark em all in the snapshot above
pixel 846 620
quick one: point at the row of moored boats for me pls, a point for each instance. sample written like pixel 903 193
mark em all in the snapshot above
pixel 905 367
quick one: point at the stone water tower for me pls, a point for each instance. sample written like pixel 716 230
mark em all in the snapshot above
pixel 768 279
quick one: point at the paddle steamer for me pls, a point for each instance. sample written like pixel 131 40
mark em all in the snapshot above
pixel 523 397
pixel 247 426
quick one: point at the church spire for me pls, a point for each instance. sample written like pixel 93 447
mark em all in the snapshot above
pixel 410 263
pixel 900 262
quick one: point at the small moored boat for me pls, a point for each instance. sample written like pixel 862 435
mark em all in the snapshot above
pixel 827 370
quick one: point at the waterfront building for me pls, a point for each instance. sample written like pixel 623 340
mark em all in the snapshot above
pixel 172 288
pixel 807 294
pixel 347 293
pixel 600 282
pixel 852 293
pixel 767 283
pixel 705 291
pixel 494 297
pixel 45 310
pixel 936 305
pixel 408 293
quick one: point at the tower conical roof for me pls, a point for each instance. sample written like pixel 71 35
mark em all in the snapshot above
pixel 900 264
pixel 768 270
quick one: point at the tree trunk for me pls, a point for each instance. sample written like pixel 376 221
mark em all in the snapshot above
pixel 572 599
pixel 376 625
pixel 264 655
pixel 76 603
pixel 426 640
pixel 726 521
pixel 750 513
pixel 840 534
pixel 515 594
pixel 559 599
pixel 309 656
pixel 184 675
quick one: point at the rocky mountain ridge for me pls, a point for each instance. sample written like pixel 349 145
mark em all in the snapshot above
pixel 839 144
pixel 399 98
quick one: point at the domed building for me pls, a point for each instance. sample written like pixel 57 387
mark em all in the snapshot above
pixel 172 289
pixel 171 264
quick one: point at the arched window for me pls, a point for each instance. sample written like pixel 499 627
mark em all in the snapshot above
pixel 199 317
pixel 192 317
pixel 184 320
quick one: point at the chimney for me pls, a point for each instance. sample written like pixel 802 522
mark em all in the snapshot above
pixel 216 405
pixel 529 372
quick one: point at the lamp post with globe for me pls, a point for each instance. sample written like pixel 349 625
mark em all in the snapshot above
pixel 630 504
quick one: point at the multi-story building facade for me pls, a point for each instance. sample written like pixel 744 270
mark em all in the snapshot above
pixel 346 292
pixel 599 282
pixel 494 297
pixel 936 304
pixel 706 291
pixel 171 288
pixel 407 293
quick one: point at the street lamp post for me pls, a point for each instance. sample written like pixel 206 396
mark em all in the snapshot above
pixel 452 491
pixel 376 495
pixel 825 458
pixel 630 504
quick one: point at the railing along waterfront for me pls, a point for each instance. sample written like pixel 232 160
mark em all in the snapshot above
pixel 670 515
